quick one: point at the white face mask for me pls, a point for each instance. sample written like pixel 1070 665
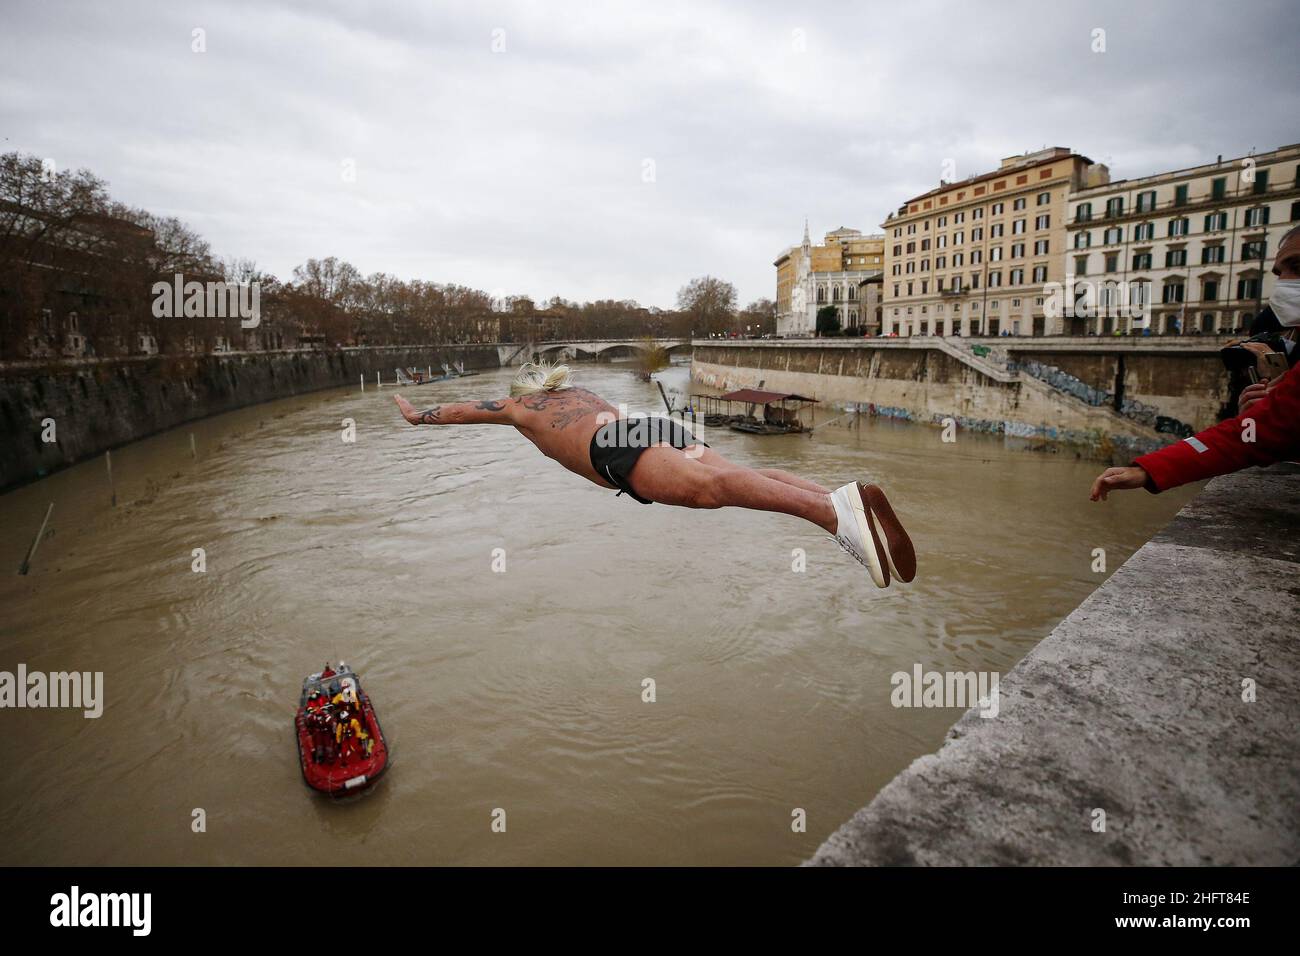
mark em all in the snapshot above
pixel 1285 302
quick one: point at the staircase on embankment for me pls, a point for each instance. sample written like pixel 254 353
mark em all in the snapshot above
pixel 998 365
pixel 933 380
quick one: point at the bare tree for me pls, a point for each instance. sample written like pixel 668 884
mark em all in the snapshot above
pixel 66 246
pixel 710 303
pixel 46 230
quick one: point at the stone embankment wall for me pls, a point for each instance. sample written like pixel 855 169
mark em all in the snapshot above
pixel 925 382
pixel 1186 382
pixel 1155 726
pixel 99 405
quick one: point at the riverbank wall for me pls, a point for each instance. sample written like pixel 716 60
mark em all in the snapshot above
pixel 1056 393
pixel 97 405
pixel 1157 725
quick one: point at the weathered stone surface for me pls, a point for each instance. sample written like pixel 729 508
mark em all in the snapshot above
pixel 1134 705
pixel 919 378
pixel 100 405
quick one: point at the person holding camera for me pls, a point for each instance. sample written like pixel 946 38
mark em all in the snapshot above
pixel 1266 428
pixel 1274 344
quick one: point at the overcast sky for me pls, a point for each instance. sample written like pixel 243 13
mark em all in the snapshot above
pixel 524 169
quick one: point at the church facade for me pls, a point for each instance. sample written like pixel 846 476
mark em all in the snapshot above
pixel 845 271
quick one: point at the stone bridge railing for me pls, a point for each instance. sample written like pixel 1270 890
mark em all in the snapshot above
pixel 517 354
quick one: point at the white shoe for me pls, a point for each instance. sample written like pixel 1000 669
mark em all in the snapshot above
pixel 889 533
pixel 856 533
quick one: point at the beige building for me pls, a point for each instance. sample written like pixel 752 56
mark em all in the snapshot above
pixel 1188 251
pixel 973 257
pixel 839 272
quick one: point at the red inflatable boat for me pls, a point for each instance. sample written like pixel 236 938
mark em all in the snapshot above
pixel 340 743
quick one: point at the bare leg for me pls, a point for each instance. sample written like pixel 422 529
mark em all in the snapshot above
pixel 711 457
pixel 777 475
pixel 666 475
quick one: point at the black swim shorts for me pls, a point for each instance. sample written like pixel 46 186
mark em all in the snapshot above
pixel 616 447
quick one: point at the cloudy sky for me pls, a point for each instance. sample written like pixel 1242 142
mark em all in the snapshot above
pixel 599 150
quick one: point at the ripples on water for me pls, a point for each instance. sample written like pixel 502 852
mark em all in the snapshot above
pixel 519 690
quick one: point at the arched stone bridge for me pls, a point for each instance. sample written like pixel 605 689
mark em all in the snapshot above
pixel 562 349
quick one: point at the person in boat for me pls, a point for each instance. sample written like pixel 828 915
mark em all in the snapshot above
pixel 349 735
pixel 328 672
pixel 318 724
pixel 658 460
pixel 318 707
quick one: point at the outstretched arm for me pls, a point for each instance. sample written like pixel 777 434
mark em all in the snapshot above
pixel 1268 431
pixel 499 412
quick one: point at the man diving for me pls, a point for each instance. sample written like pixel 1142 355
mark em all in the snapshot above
pixel 658 460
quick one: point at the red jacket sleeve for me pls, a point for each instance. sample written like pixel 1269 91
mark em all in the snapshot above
pixel 1224 448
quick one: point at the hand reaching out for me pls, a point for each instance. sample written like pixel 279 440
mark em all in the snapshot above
pixel 408 410
pixel 1117 479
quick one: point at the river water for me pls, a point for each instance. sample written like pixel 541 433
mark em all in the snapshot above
pixel 518 690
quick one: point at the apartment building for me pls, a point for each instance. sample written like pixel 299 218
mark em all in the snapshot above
pixel 973 257
pixel 1183 252
pixel 839 272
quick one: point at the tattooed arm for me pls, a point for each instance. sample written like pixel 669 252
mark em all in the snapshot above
pixel 500 412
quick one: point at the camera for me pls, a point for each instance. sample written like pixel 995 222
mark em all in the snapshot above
pixel 1247 362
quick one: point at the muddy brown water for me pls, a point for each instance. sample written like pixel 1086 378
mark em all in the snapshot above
pixel 518 690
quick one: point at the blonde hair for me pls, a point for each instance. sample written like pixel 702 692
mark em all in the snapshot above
pixel 540 378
